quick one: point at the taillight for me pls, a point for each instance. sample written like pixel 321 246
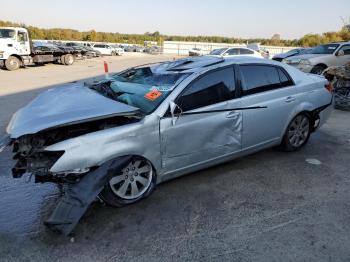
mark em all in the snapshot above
pixel 329 87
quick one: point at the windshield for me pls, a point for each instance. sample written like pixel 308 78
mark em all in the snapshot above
pixel 293 51
pixel 146 87
pixel 325 49
pixel 305 51
pixel 217 51
pixel 7 33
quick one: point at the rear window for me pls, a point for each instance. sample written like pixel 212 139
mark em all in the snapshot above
pixel 232 51
pixel 325 49
pixel 217 51
pixel 244 51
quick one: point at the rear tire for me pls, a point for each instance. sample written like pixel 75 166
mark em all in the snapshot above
pixel 133 183
pixel 12 63
pixel 318 69
pixel 297 133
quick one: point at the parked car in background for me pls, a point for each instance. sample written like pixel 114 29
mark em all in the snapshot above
pixel 130 48
pixel 265 53
pixel 195 51
pixel 153 50
pixel 235 51
pixel 141 126
pixel 293 52
pixel 139 49
pixel 87 44
pixel 118 50
pixel 86 50
pixel 105 49
pixel 321 57
pixel 134 48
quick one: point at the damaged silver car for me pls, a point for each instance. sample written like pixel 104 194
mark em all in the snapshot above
pixel 118 138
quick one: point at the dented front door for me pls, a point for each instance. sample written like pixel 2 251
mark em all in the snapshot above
pixel 197 138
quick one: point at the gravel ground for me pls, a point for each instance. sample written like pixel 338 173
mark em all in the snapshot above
pixel 269 206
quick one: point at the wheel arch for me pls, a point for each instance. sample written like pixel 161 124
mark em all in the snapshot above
pixel 320 64
pixel 304 108
pixel 17 56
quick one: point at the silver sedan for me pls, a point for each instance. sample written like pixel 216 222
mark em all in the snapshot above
pixel 119 137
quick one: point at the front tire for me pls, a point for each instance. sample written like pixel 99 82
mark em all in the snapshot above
pixel 12 63
pixel 68 59
pixel 297 133
pixel 133 183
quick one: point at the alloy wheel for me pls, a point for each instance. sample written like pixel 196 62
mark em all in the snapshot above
pixel 133 181
pixel 299 131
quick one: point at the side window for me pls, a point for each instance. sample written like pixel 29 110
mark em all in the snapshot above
pixel 232 51
pixel 22 37
pixel 212 88
pixel 346 49
pixel 259 78
pixel 285 80
pixel 243 51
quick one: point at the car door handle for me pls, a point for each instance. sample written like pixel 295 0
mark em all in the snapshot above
pixel 289 99
pixel 232 114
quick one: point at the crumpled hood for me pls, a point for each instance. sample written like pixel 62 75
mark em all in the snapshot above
pixel 64 105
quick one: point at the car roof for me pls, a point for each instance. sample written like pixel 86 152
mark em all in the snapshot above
pixel 203 63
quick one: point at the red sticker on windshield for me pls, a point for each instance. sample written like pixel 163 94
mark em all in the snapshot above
pixel 153 95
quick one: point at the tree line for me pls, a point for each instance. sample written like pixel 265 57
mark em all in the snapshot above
pixel 308 40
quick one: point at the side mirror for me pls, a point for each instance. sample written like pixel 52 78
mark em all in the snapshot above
pixel 173 107
pixel 340 53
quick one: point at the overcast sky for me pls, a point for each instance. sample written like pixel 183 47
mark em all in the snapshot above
pixel 246 19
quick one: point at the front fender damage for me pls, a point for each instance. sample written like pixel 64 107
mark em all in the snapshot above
pixel 76 200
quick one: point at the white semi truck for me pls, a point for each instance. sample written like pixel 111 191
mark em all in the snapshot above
pixel 16 50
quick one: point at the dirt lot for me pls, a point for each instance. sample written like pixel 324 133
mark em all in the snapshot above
pixel 270 206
